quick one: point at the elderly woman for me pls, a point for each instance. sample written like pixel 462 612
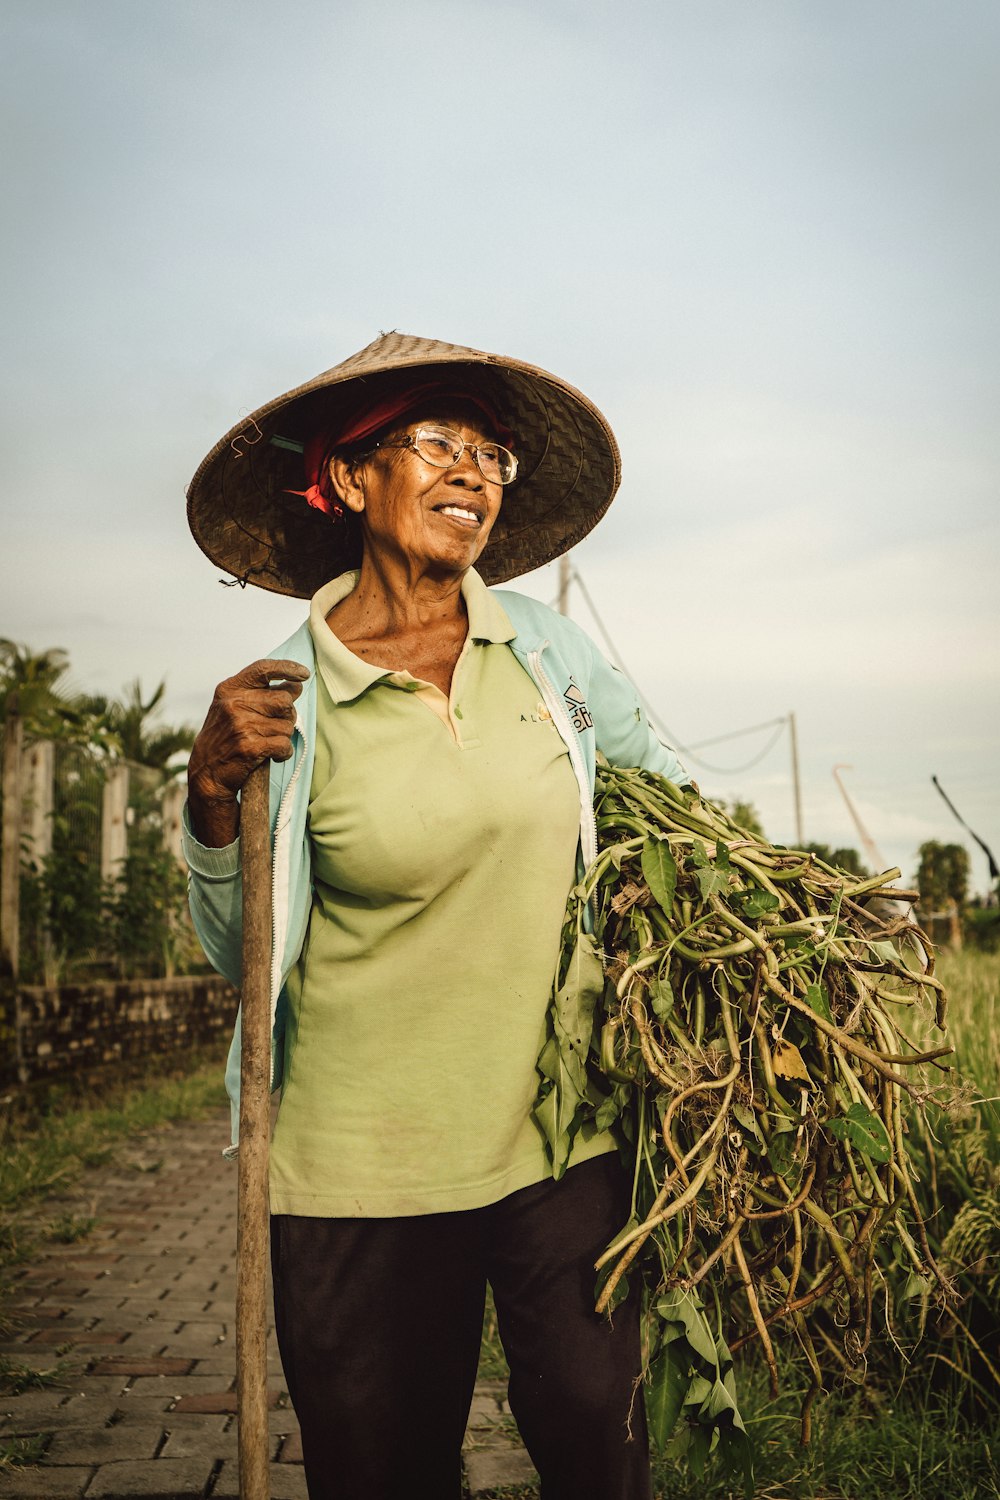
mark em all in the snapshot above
pixel 434 749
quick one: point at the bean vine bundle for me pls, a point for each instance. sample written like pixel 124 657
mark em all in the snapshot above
pixel 736 1012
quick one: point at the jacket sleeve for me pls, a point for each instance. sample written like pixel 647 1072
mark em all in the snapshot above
pixel 624 734
pixel 215 896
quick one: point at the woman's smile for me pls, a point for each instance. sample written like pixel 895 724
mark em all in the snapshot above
pixel 465 515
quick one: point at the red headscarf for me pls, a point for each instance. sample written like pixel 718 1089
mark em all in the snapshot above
pixel 371 419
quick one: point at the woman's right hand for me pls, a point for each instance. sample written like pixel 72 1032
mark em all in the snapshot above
pixel 250 720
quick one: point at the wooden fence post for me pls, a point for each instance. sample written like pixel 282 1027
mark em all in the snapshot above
pixel 171 806
pixel 114 832
pixel 39 775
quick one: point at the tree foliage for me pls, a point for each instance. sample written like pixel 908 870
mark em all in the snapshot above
pixel 70 917
pixel 942 875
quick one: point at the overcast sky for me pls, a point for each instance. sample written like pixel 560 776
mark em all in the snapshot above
pixel 763 238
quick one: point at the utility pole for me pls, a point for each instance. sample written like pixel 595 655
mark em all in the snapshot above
pixel 796 784
pixel 564 577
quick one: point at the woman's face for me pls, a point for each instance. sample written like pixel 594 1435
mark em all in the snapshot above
pixel 438 520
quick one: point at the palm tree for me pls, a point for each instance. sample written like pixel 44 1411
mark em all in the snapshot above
pixel 141 742
pixel 34 678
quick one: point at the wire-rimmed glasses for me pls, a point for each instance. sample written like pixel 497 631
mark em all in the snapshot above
pixel 442 447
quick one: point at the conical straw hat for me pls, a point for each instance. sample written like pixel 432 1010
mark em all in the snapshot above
pixel 244 518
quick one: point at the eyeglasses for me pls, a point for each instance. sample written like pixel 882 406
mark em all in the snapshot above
pixel 442 448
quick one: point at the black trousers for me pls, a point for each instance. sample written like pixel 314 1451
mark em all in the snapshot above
pixel 379 1322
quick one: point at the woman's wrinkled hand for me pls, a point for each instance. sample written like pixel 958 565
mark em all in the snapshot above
pixel 250 721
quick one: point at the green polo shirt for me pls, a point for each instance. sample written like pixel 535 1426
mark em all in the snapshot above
pixel 444 836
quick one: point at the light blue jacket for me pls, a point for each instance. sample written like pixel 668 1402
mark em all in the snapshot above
pixel 593 706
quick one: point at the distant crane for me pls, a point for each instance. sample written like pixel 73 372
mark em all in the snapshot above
pixel 874 853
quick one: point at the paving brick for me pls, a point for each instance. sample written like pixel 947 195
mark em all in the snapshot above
pixel 291 1449
pixel 124 1364
pixel 166 1479
pixel 57 1418
pixel 90 1445
pixel 282 1420
pixel 45 1484
pixel 130 1408
pixel 96 1260
pixel 176 1385
pixel 486 1410
pixel 222 1367
pixel 45 1312
pixel 199 1339
pixel 183 1443
pixel 148 1342
pixel 287 1482
pixel 218 1401
pixel 48 1330
pixel 83 1384
pixel 138 1308
pixel 193 1421
pixel 494 1466
pixel 53 1337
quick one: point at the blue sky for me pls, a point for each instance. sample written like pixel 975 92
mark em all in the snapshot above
pixel 763 237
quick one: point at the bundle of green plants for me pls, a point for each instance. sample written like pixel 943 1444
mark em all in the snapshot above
pixel 737 1013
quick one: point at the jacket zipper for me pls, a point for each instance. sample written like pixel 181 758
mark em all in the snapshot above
pixel 280 824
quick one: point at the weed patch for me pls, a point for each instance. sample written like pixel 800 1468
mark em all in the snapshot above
pixel 21 1452
pixel 16 1378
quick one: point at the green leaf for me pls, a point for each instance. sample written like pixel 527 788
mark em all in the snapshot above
pixel 576 998
pixel 661 996
pixel 711 879
pixel 668 1385
pixel 699 1446
pixel 755 903
pixel 680 1307
pixel 864 1130
pixel 556 1114
pixel 659 869
pixel 722 857
pixel 617 854
pixel 916 1286
pixel 747 1121
pixel 736 1453
pixel 607 1112
pixel 816 998
pixel 781 1153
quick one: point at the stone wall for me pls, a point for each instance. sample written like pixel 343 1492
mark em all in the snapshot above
pixel 86 1031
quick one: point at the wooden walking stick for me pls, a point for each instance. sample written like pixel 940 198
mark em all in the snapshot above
pixel 255 1127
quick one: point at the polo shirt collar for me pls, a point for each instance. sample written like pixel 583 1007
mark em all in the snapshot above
pixel 346 676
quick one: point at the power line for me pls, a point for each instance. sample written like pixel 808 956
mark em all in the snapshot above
pixel 686 750
pixel 738 733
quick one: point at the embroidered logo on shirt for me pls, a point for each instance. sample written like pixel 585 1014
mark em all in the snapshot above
pixel 579 713
pixel 540 716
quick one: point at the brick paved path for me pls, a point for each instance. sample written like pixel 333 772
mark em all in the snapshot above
pixel 140 1315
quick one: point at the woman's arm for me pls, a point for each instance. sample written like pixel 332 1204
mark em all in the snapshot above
pixel 624 734
pixel 251 720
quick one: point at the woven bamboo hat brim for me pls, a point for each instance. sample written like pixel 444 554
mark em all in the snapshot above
pixel 243 518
